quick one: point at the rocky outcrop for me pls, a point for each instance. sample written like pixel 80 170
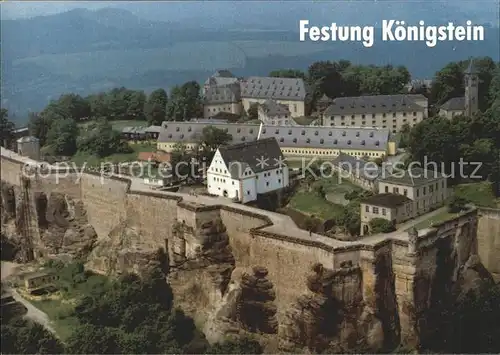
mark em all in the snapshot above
pixel 64 226
pixel 51 225
pixel 200 266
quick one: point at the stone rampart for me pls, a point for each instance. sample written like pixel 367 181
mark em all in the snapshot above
pixel 132 220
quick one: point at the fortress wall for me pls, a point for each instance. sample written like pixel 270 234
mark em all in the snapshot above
pixel 11 171
pixel 289 263
pixel 153 215
pixel 105 201
pixel 488 238
pixel 65 183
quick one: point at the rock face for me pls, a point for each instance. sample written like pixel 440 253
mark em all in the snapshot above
pixel 51 225
pixel 200 266
pixel 362 297
pixel 256 311
pixel 331 316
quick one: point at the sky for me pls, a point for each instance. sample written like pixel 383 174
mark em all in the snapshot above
pixel 478 10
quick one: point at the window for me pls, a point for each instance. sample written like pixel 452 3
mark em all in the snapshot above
pixel 294 107
pixel 387 189
pixel 367 208
pixel 363 116
pixel 248 192
pixel 375 210
pixel 404 114
pixel 373 115
pixel 395 190
pixel 279 181
pixel 384 212
pixel 394 114
pixel 423 192
pixel 405 192
pixel 418 192
pixel 414 113
pixel 267 183
pixel 383 115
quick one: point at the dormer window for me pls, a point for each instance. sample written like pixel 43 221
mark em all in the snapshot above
pixel 177 129
pixel 343 134
pixel 357 134
pixel 263 131
pixel 238 130
pixel 282 140
pixel 377 143
pixel 182 136
pixel 371 134
pixel 303 132
pixel 335 141
pixel 277 131
pixel 308 140
pixel 321 141
pixel 316 133
pixel 251 131
pixel 349 142
pixel 189 129
pixel 362 142
pixel 289 132
pixel 330 133
pixel 242 138
pixel 295 140
pixel 170 135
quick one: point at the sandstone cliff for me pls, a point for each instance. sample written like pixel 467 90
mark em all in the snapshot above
pixel 296 292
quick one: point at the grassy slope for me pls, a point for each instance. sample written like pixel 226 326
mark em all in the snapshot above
pixel 480 194
pixel 310 203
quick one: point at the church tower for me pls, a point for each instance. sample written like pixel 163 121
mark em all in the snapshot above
pixel 471 89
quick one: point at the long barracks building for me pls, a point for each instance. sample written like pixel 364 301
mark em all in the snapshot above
pixel 294 141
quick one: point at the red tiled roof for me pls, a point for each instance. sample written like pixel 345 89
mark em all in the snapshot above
pixel 161 157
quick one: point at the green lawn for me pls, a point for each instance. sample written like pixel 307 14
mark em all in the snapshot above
pixel 440 217
pixel 60 314
pixel 92 160
pixel 310 203
pixel 60 309
pixel 480 194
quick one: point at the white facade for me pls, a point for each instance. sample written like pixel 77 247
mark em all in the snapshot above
pixel 247 185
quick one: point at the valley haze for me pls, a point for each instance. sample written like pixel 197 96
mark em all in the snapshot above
pixel 88 47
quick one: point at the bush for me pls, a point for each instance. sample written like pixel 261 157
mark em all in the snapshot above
pixel 457 204
pixel 381 225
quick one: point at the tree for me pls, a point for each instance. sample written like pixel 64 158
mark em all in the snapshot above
pixel 448 83
pixel 457 204
pixel 72 106
pixel 288 73
pixel 381 225
pixel 102 140
pixel 243 345
pixel 181 160
pixel 39 126
pixel 21 336
pixel 6 129
pixel 253 111
pixel 133 315
pixel 211 138
pixel 62 136
pixel 404 136
pixel 136 103
pixel 185 102
pixel 155 107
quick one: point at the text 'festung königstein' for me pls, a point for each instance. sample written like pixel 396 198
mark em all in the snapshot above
pixel 391 31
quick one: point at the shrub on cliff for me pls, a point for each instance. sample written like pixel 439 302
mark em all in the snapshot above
pixel 20 336
pixel 133 315
pixel 381 225
pixel 457 204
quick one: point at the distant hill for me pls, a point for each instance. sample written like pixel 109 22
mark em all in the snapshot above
pixel 86 51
